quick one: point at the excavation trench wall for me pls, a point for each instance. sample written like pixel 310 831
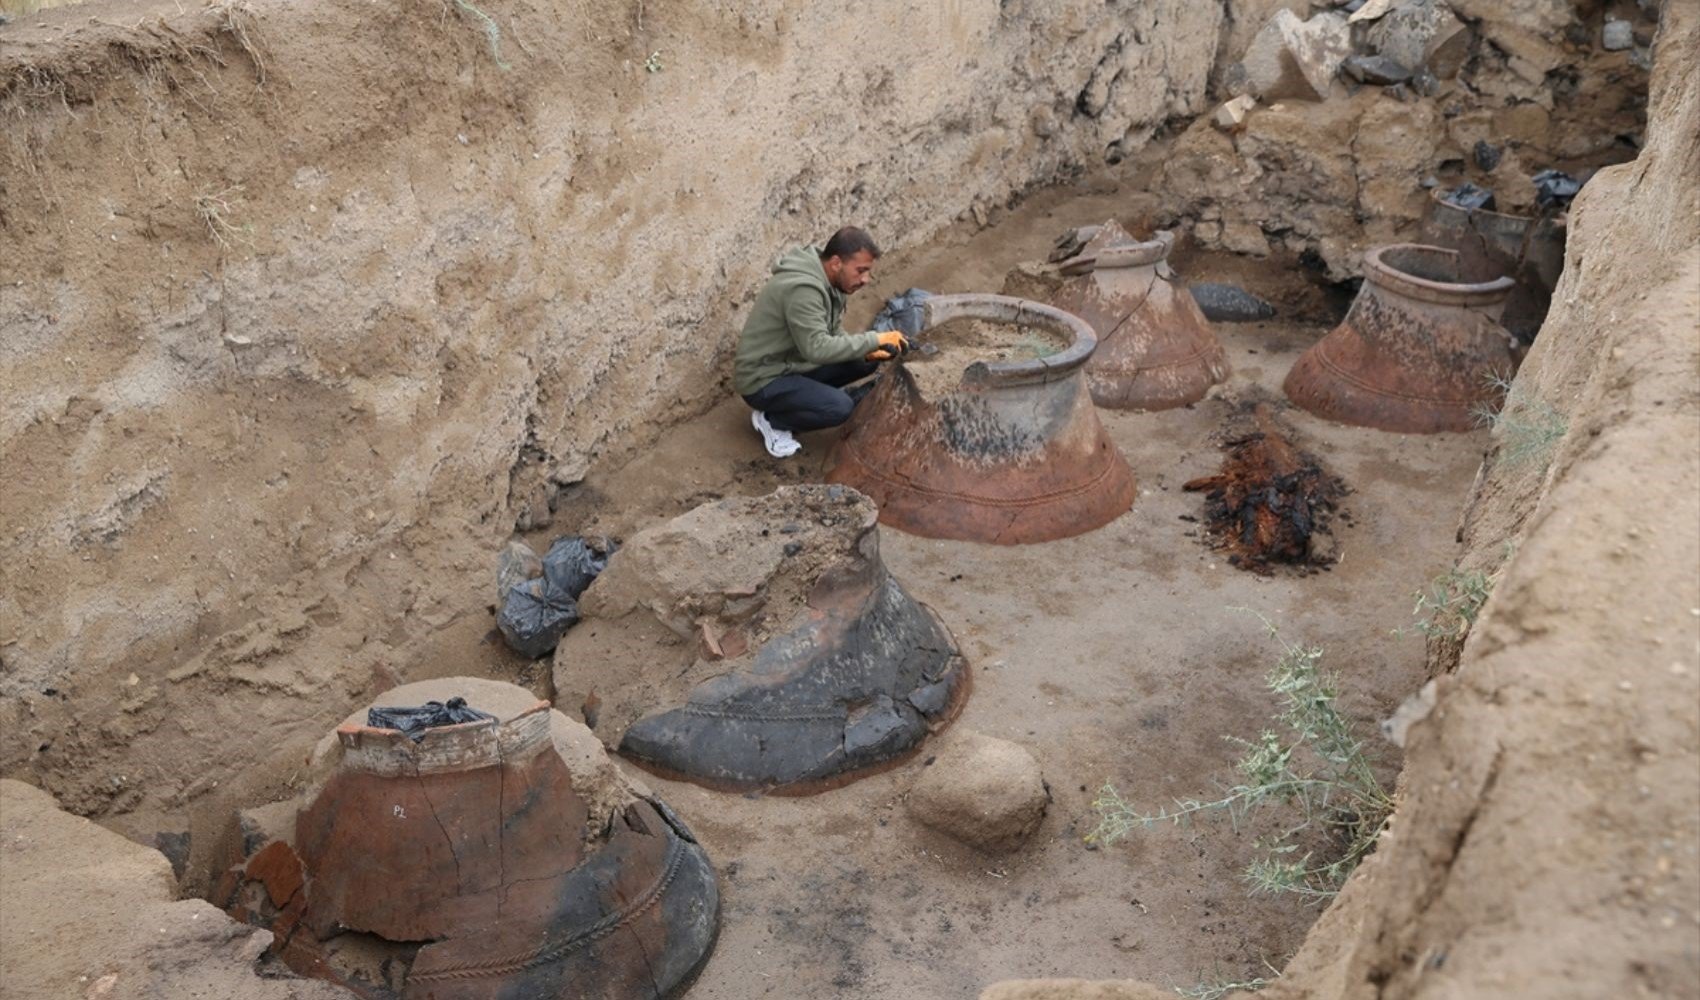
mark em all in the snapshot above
pixel 1547 837
pixel 306 305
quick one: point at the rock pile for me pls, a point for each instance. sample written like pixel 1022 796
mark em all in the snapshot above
pixel 1332 123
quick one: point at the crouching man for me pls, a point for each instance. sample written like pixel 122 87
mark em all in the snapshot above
pixel 794 359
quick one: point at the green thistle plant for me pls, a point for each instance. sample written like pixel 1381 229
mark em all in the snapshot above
pixel 1322 770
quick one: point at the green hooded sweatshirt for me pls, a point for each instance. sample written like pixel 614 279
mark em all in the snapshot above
pixel 795 325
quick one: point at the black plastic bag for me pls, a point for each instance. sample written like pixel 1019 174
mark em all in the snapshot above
pixel 536 613
pixel 1469 196
pixel 1555 188
pixel 432 715
pixel 571 564
pixel 903 313
pixel 534 616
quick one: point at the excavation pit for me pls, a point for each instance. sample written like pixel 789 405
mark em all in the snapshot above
pixel 273 405
pixel 1009 452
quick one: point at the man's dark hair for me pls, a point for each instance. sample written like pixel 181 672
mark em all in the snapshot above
pixel 848 242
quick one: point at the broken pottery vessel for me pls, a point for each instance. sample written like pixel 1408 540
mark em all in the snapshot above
pixel 505 857
pixel 1155 348
pixel 1011 453
pixel 1530 250
pixel 1419 352
pixel 760 643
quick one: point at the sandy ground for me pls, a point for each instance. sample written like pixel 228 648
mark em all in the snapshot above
pixel 1114 656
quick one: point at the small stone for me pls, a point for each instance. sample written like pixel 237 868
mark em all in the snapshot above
pixel 517 563
pixel 1425 83
pixel 1617 36
pixel 792 548
pixel 1421 33
pixel 985 792
pixel 1242 236
pixel 1230 117
pixel 1378 70
pixel 1297 59
pixel 570 472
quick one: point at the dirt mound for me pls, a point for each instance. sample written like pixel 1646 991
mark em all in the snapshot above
pixel 85 913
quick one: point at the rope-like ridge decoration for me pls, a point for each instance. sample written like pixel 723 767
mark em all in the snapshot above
pixel 1329 363
pixel 757 715
pixel 509 964
pixel 1067 493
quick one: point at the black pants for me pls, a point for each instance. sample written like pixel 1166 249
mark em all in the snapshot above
pixel 812 400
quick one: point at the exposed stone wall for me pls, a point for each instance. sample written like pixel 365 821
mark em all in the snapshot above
pixel 1531 80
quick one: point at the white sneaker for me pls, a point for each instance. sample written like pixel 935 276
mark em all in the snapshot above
pixel 780 444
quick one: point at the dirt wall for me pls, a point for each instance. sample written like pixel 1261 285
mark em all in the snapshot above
pixel 1547 842
pixel 307 305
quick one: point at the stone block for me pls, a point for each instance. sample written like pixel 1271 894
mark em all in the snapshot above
pixel 1297 59
pixel 1231 115
pixel 1617 36
pixel 1422 33
pixel 983 791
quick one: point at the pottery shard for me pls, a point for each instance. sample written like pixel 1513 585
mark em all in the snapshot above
pixel 1422 33
pixel 983 791
pixel 1297 59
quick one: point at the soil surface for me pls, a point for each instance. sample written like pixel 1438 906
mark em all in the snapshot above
pixel 943 352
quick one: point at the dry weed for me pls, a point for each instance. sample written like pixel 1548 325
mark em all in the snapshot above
pixel 214 210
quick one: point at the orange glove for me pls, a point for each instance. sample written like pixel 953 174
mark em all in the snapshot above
pixel 892 343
